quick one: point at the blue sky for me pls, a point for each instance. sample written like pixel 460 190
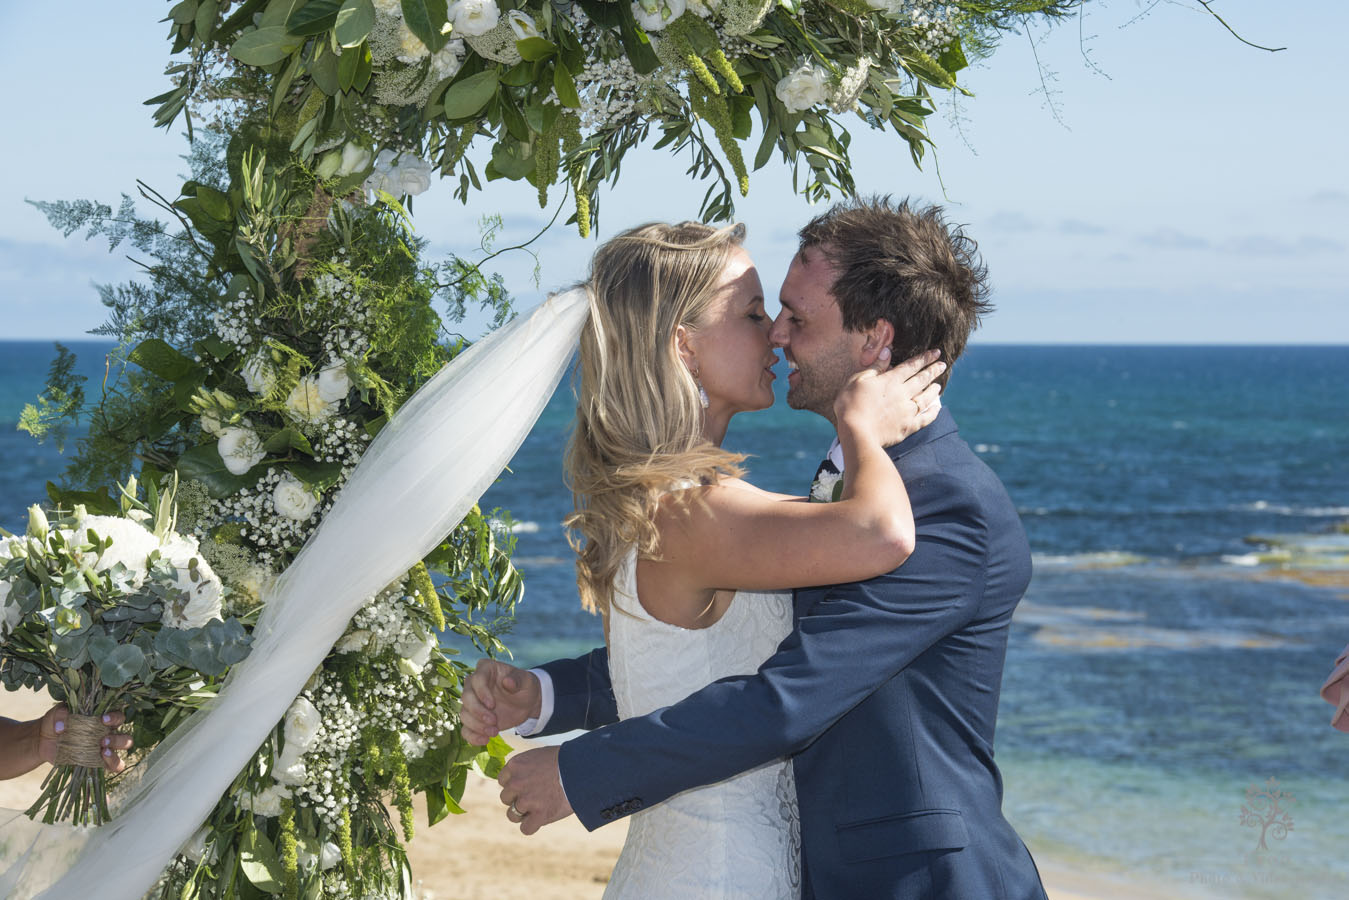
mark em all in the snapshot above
pixel 1183 188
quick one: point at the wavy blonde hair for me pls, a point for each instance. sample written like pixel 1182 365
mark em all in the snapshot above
pixel 639 419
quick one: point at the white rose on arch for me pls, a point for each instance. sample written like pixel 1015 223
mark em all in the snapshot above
pixel 293 499
pixel 803 87
pixel 355 158
pixel 448 60
pixel 306 404
pixel 333 382
pixel 474 17
pixel 653 15
pixel 240 448
pixel 413 176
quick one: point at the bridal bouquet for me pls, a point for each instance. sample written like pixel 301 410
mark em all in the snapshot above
pixel 110 612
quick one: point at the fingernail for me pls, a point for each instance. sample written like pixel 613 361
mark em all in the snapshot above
pixel 941 367
pixel 107 719
pixel 107 753
pixel 59 727
pixel 885 353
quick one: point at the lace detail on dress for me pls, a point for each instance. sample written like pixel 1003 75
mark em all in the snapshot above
pixel 738 839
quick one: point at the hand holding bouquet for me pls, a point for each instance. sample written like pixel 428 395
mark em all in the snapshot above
pixel 109 613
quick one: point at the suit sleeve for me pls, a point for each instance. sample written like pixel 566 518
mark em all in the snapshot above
pixel 583 695
pixel 852 639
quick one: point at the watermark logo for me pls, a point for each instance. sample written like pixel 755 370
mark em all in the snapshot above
pixel 1260 860
pixel 1267 809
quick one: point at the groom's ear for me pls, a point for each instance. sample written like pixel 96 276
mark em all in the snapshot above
pixel 880 335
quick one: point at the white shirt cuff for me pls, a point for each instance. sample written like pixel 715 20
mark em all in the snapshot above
pixel 533 726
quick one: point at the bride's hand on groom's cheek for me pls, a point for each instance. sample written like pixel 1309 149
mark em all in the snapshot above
pixel 496 697
pixel 531 789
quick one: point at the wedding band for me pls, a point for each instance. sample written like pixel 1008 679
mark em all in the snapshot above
pixel 514 810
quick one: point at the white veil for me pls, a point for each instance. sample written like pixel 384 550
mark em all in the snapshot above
pixel 417 480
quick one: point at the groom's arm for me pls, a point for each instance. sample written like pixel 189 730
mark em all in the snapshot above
pixel 854 639
pixel 583 695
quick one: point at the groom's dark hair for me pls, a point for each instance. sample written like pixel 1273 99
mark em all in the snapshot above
pixel 907 266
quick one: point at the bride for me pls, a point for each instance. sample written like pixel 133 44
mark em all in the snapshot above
pixel 689 565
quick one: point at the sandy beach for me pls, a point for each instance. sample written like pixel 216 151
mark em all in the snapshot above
pixel 482 856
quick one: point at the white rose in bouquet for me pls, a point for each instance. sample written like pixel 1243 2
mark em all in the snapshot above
pixel 305 402
pixel 240 448
pixel 10 614
pixel 653 15
pixel 474 17
pixel 200 591
pixel 259 375
pixel 803 88
pixel 522 23
pixel 355 158
pixel 293 499
pixel 823 488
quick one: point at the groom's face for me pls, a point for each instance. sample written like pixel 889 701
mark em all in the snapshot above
pixel 810 332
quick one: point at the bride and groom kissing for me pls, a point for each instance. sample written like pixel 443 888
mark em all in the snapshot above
pixel 795 699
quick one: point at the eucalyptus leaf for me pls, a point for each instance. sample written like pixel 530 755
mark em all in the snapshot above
pixel 121 665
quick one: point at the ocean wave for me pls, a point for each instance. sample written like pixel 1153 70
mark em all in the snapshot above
pixel 1279 509
pixel 1263 507
pixel 1098 559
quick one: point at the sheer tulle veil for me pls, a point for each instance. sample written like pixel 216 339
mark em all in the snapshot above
pixel 419 477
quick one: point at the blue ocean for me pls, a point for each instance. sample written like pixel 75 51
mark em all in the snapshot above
pixel 1185 509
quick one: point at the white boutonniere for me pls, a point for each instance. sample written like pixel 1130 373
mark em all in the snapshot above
pixel 827 487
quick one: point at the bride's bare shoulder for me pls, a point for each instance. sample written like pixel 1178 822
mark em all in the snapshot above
pixel 741 485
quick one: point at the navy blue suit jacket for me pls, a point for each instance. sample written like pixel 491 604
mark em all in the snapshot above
pixel 885 695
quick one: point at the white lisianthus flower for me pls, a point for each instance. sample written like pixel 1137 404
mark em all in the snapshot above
pixel 823 488
pixel 38 526
pixel 355 158
pixel 417 650
pixel 195 848
pixel 329 855
pixel 413 176
pixel 306 404
pixel 267 802
pixel 293 499
pixel 258 374
pixel 448 61
pixel 803 88
pixel 411 50
pixel 522 23
pixel 10 614
pixel 334 383
pixel 240 448
pixel 413 747
pixel 353 642
pixel 653 15
pixel 131 544
pixel 474 17
pixel 210 423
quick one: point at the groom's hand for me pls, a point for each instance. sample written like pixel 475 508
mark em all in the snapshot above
pixel 497 696
pixel 531 789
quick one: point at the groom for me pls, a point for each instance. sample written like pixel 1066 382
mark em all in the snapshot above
pixel 886 693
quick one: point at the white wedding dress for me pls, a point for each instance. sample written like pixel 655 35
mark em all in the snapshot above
pixel 738 839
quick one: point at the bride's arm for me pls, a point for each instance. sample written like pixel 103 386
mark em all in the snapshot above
pixel 732 538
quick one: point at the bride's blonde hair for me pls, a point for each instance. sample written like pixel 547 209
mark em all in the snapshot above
pixel 639 418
